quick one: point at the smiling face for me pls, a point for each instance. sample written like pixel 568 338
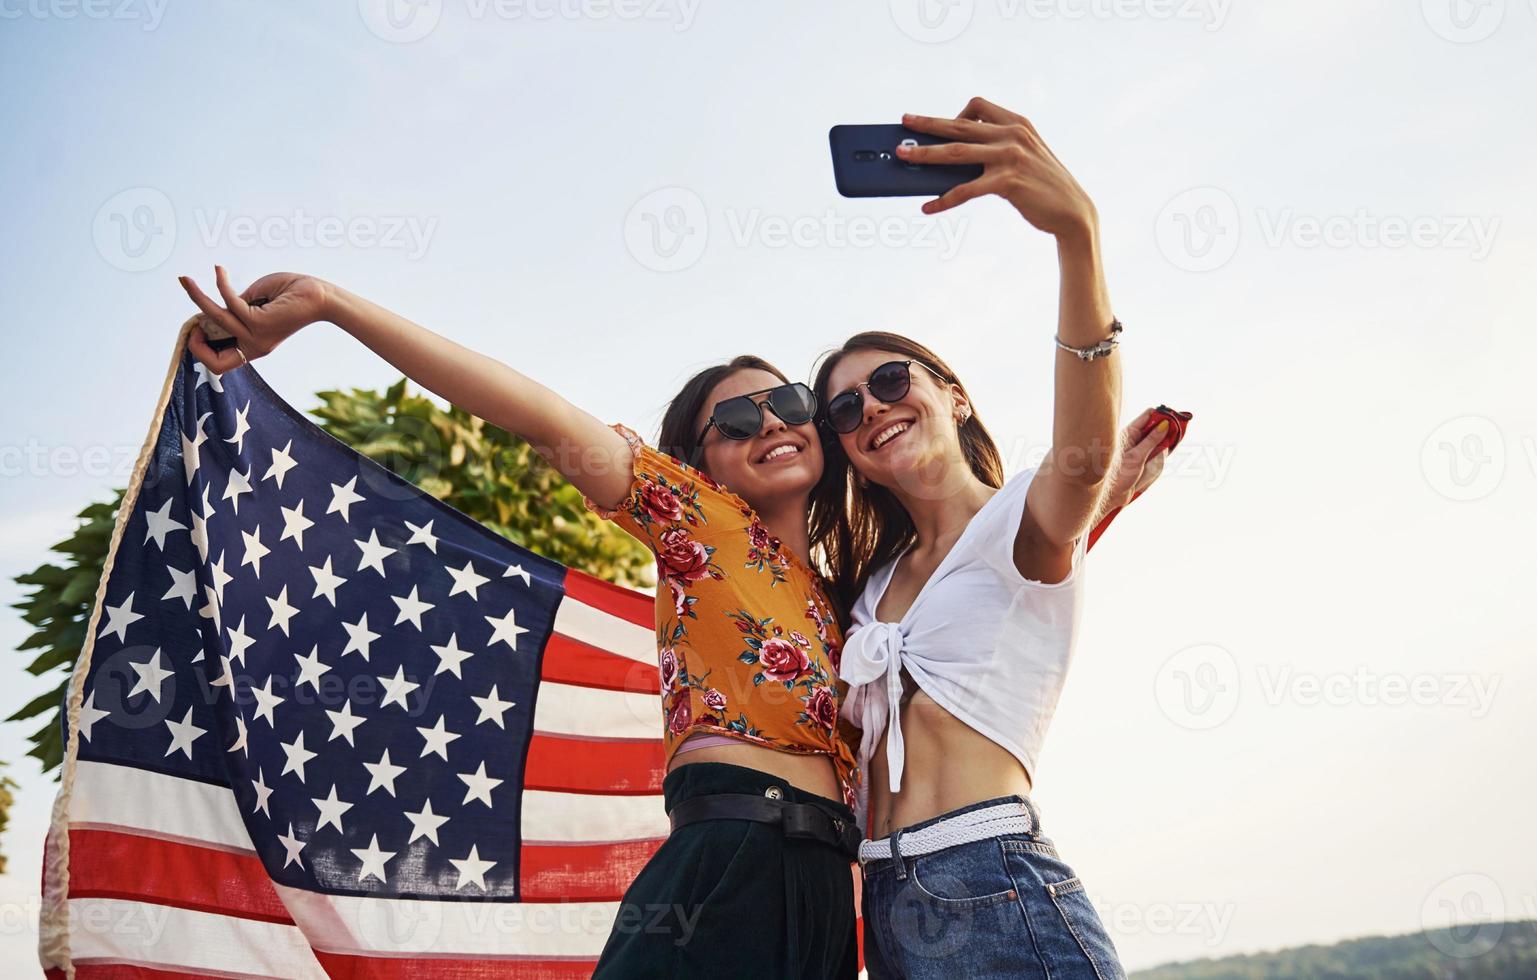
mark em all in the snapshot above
pixel 780 462
pixel 902 444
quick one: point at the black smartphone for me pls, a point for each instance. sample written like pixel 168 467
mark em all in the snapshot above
pixel 865 163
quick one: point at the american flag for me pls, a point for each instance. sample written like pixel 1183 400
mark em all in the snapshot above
pixel 325 724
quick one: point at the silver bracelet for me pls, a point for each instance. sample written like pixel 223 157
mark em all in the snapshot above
pixel 1100 349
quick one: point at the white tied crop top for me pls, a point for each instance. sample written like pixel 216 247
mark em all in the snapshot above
pixel 989 645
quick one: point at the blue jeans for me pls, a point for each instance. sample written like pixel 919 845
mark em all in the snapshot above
pixel 1005 906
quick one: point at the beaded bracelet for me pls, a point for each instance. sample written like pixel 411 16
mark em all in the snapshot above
pixel 1100 349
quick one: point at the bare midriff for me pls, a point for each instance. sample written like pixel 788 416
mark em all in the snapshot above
pixel 948 765
pixel 811 772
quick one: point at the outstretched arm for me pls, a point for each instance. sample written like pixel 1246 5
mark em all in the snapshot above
pixel 594 457
pixel 1019 167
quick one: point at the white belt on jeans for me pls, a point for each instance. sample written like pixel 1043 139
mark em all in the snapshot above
pixel 963 828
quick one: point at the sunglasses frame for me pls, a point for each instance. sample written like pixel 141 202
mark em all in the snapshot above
pixel 751 397
pixel 865 384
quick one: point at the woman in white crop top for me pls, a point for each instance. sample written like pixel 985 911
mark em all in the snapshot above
pixel 965 591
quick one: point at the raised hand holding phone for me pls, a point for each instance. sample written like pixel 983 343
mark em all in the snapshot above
pixel 1017 165
pixel 865 164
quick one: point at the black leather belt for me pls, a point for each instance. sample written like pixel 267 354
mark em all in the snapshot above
pixel 803 821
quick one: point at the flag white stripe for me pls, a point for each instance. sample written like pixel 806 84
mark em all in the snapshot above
pixel 114 930
pixel 571 818
pixel 165 806
pixel 605 630
pixel 404 927
pixel 138 800
pixel 565 709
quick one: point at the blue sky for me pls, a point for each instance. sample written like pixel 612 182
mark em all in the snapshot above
pixel 1307 660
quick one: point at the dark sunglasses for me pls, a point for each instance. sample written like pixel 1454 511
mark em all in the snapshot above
pixel 742 417
pixel 890 383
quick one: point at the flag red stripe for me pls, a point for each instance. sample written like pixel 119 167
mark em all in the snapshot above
pixel 109 864
pixel 340 966
pixel 581 872
pixel 204 879
pixel 617 766
pixel 635 607
pixel 568 661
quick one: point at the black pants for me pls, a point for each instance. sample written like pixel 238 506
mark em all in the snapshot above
pixel 733 898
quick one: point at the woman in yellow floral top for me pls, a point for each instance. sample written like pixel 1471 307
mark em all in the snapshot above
pixel 754 880
pixel 748 644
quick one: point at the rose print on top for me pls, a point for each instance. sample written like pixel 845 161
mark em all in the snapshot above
pixel 685 559
pixel 661 503
pixel 822 707
pixel 782 660
pixel 763 551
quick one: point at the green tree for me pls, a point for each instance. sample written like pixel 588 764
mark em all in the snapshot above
pixel 480 469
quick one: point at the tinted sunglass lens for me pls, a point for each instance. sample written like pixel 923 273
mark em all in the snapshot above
pixel 738 418
pixel 795 404
pixel 890 381
pixel 845 411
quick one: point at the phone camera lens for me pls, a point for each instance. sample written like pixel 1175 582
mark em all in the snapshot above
pixel 885 155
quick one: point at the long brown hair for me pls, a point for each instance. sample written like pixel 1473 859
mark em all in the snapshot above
pixel 679 438
pixel 857 528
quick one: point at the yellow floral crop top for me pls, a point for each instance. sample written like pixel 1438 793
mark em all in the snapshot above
pixel 747 642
